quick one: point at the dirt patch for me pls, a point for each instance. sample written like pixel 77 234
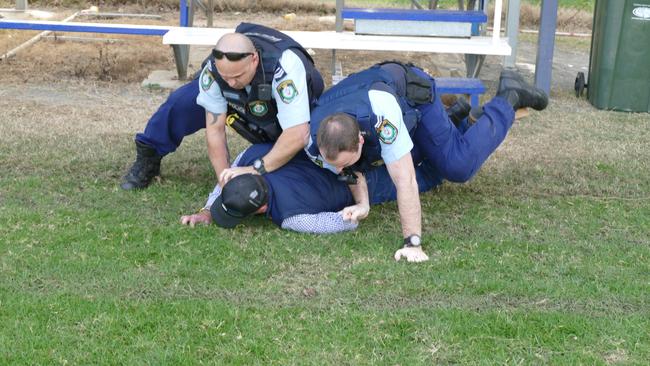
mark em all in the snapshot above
pixel 125 60
pixel 131 58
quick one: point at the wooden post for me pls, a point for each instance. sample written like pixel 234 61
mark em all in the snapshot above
pixel 339 28
pixel 21 5
pixel 415 4
pixel 210 12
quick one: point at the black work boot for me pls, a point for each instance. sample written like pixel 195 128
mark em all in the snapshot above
pixel 144 169
pixel 474 114
pixel 459 111
pixel 519 93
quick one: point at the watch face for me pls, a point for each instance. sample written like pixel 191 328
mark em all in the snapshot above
pixel 415 240
pixel 257 164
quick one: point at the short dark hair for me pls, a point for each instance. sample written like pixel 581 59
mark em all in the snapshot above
pixel 337 133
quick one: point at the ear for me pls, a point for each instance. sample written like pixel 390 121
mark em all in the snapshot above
pixel 361 140
pixel 256 58
pixel 262 209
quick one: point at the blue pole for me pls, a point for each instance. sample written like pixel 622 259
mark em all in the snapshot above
pixel 545 45
pixel 183 20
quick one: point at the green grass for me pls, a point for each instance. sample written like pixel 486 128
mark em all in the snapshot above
pixel 576 4
pixel 542 259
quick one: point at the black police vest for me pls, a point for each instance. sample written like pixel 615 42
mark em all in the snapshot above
pixel 256 118
pixel 351 96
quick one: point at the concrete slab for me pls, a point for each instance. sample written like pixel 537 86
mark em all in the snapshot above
pixel 162 79
pixel 168 79
pixel 13 14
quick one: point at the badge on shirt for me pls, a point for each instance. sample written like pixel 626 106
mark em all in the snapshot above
pixel 258 108
pixel 386 131
pixel 206 80
pixel 287 91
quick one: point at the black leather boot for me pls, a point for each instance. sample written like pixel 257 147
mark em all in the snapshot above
pixel 519 93
pixel 458 111
pixel 144 169
pixel 474 114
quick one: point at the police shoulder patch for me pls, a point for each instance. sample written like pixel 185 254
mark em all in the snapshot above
pixel 287 91
pixel 386 131
pixel 206 80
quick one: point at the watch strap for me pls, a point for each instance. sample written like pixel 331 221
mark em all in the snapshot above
pixel 412 241
pixel 258 165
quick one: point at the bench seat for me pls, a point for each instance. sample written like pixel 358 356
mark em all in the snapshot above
pixel 43 25
pixel 412 22
pixel 470 86
pixel 433 15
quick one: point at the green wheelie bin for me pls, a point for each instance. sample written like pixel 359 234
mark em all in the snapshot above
pixel 619 62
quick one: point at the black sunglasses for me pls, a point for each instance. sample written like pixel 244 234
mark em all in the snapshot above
pixel 231 56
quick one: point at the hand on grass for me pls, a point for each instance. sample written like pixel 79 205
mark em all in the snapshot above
pixel 412 254
pixel 202 217
pixel 355 213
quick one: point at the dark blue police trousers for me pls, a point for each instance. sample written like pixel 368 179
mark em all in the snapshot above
pixel 443 151
pixel 177 117
pixel 458 153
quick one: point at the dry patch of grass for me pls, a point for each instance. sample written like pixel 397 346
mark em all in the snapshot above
pixel 219 5
pixel 575 149
pixel 568 19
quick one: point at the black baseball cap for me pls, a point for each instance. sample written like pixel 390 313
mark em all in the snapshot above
pixel 241 197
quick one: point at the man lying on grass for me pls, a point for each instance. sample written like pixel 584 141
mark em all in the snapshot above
pixel 300 196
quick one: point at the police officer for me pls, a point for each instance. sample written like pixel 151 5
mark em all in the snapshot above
pixel 379 115
pixel 258 81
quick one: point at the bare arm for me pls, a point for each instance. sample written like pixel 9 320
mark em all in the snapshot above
pixel 402 173
pixel 360 193
pixel 291 141
pixel 215 133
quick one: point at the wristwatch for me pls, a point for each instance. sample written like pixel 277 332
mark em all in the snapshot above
pixel 412 241
pixel 258 165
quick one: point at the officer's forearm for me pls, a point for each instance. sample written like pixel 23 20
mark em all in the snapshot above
pixel 215 133
pixel 360 190
pixel 408 198
pixel 291 141
pixel 408 202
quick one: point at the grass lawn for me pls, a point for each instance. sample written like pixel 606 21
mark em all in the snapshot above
pixel 542 259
